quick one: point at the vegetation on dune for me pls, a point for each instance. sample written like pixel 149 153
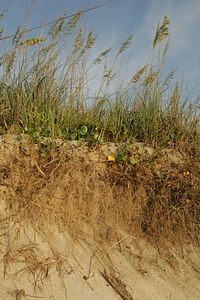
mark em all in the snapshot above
pixel 111 191
pixel 44 91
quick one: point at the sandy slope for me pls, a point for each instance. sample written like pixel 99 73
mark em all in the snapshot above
pixel 43 262
pixel 130 269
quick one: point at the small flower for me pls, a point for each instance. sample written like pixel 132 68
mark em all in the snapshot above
pixel 186 173
pixel 111 158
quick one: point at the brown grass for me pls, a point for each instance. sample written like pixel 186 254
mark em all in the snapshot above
pixel 156 198
pixel 79 192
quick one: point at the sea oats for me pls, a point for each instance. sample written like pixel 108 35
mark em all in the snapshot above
pixel 125 45
pixel 31 42
pixel 150 78
pixel 137 76
pixel 101 56
pixel 162 31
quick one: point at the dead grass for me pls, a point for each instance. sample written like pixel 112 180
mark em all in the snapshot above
pixel 80 192
pixel 156 198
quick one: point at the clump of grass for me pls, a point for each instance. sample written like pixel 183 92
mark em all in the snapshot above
pixel 44 81
pixel 161 115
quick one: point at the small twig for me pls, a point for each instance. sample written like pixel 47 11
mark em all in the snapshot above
pixel 56 166
pixel 121 241
pixel 192 221
pixel 39 169
pixel 90 264
pixel 117 285
pixel 18 294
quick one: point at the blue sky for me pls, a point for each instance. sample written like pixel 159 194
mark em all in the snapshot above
pixel 114 22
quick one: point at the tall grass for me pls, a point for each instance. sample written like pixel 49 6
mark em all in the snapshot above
pixel 44 84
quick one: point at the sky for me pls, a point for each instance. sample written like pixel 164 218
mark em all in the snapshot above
pixel 114 22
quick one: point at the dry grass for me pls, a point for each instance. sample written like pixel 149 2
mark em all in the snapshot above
pixel 156 197
pixel 79 192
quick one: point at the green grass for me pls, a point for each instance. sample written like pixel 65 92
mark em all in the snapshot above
pixel 44 83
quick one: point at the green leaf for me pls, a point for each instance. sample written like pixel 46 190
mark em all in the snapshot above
pixel 160 175
pixel 73 136
pixel 101 140
pixel 133 161
pixel 83 130
pixel 44 154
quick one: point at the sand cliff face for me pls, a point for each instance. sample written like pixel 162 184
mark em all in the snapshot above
pixel 72 223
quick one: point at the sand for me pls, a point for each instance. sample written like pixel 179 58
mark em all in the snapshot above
pixel 50 265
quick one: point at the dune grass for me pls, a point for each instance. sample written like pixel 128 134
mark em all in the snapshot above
pixel 44 91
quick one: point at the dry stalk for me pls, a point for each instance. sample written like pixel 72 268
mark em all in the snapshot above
pixel 117 285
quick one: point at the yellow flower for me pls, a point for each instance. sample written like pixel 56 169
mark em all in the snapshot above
pixel 111 158
pixel 186 173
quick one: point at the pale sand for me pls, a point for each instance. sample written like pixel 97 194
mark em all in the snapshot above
pixel 78 270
